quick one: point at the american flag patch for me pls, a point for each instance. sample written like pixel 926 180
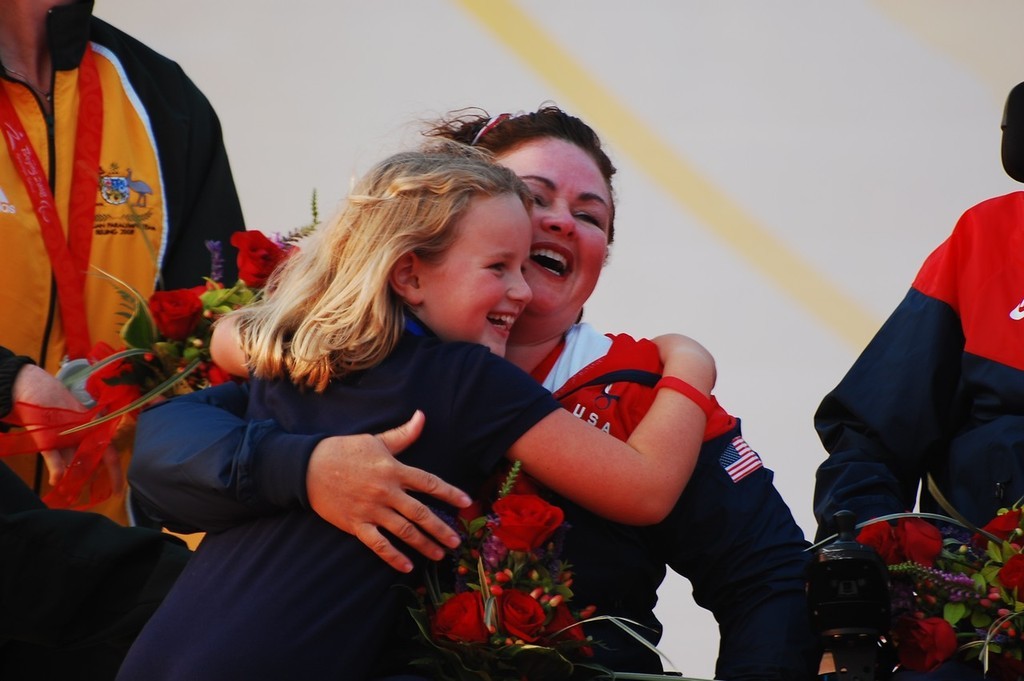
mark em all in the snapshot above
pixel 739 460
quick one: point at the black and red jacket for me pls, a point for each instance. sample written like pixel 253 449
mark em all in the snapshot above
pixel 940 388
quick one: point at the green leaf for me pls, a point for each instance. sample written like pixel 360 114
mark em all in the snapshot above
pixel 422 621
pixel 140 329
pixel 541 664
pixel 954 612
pixel 167 349
pixel 980 583
pixel 217 297
pixel 990 573
pixel 510 479
pixel 980 620
pixel 562 590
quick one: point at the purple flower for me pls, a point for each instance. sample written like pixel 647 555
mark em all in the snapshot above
pixel 494 551
pixel 216 260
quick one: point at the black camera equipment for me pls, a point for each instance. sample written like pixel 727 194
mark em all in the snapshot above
pixel 848 595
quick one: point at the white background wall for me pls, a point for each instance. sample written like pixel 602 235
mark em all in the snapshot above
pixel 785 167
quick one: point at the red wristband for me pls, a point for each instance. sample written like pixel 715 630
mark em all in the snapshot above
pixel 683 388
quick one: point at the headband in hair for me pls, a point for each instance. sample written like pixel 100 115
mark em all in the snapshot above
pixel 490 125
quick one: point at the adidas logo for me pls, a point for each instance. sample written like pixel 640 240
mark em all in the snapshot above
pixel 5 205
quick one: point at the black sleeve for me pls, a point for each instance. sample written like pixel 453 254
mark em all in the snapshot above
pixel 202 202
pixel 10 365
pixel 74 578
pixel 208 208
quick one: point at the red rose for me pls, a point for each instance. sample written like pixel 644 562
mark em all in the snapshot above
pixel 561 618
pixel 176 313
pixel 257 257
pixel 461 618
pixel 115 395
pixel 1001 526
pixel 525 521
pixel 919 540
pixel 1012 573
pixel 215 375
pixel 881 538
pixel 922 645
pixel 521 615
pixel 112 386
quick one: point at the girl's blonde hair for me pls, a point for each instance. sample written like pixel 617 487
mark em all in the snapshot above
pixel 331 310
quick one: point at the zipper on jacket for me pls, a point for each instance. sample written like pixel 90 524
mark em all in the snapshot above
pixel 51 161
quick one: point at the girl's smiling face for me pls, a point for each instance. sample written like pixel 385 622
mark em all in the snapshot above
pixel 477 290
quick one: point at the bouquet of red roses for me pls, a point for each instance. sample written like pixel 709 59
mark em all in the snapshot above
pixel 954 591
pixel 166 352
pixel 505 611
pixel 167 338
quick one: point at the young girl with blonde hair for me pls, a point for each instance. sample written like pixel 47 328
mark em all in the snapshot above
pixel 403 302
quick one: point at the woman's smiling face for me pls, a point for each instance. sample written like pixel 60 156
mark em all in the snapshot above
pixel 571 218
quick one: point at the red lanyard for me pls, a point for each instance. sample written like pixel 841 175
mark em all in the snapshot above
pixel 69 258
pixel 541 371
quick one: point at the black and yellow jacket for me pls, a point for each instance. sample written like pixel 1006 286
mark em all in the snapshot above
pixel 164 185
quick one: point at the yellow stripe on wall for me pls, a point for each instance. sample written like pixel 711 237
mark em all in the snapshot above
pixel 796 277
